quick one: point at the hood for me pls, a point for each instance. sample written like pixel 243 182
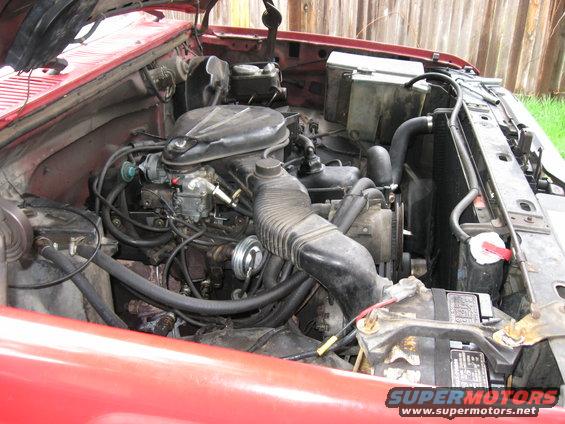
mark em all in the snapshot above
pixel 34 32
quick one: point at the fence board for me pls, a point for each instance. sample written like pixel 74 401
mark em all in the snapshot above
pixel 521 41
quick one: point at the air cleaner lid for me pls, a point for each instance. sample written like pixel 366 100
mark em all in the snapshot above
pixel 214 132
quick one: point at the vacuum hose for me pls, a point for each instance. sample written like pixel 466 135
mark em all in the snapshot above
pixel 122 236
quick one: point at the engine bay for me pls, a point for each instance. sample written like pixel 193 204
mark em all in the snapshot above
pixel 363 233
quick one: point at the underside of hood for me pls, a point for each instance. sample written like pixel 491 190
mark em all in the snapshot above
pixel 34 32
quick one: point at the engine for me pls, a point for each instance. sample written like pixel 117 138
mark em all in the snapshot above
pixel 307 234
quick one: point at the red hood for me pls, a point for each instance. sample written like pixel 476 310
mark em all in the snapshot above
pixel 34 32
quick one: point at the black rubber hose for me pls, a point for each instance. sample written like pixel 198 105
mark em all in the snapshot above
pixel 270 150
pixel 286 270
pixel 120 235
pixel 356 205
pixel 461 147
pixel 379 168
pixel 80 281
pixel 286 309
pixel 180 248
pixel 360 186
pixel 253 319
pixel 100 181
pixel 243 211
pixel 355 191
pixel 401 139
pixel 263 340
pixel 375 193
pixel 123 215
pixel 272 271
pixel 183 303
pixel 346 219
pixel 305 143
pixel 182 264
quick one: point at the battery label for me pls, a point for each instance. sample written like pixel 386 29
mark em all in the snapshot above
pixel 463 308
pixel 468 369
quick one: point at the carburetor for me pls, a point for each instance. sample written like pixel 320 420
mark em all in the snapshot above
pixel 190 194
pixel 182 175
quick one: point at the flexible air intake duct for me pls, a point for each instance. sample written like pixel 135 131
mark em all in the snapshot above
pixel 288 227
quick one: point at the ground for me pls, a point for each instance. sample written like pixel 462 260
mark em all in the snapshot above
pixel 550 114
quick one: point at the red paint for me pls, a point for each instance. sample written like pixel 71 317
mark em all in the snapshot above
pixel 99 55
pixel 224 36
pixel 58 370
pixel 137 34
pixel 479 202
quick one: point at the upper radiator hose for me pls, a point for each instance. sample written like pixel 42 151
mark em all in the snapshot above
pixel 288 227
pixel 400 140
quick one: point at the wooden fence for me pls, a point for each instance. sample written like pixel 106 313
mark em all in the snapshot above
pixel 521 41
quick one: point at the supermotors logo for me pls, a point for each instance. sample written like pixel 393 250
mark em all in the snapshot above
pixel 450 402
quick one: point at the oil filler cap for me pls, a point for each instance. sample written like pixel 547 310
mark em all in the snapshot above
pixel 268 168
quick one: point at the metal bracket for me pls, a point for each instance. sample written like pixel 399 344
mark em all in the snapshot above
pixel 542 323
pixel 530 223
pixel 391 328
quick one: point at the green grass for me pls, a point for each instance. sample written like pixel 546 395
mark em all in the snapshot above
pixel 550 114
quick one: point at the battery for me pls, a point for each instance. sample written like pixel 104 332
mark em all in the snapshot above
pixel 468 368
pixel 441 362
